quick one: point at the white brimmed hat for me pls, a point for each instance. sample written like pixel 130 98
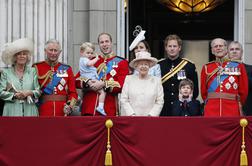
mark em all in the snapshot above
pixel 143 55
pixel 140 37
pixel 10 49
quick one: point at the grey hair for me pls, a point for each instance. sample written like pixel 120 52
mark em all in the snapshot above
pixel 236 42
pixel 52 41
pixel 224 41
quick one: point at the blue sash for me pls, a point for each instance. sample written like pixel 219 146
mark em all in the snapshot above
pixel 215 84
pixel 55 80
pixel 109 66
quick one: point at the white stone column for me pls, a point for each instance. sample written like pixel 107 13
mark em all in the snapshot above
pixel 39 20
pixel 248 32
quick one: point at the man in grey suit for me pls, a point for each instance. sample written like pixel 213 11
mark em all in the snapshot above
pixel 235 52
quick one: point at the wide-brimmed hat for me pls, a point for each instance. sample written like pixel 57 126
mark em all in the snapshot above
pixel 10 49
pixel 143 55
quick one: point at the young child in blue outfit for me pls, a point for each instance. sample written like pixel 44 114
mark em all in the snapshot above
pixel 87 70
pixel 186 105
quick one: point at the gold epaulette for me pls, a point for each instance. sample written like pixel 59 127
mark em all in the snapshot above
pixel 188 60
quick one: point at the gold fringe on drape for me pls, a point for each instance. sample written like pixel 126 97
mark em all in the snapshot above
pixel 243 156
pixel 108 156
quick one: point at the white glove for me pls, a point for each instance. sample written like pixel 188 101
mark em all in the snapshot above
pixel 67 109
pixel 29 100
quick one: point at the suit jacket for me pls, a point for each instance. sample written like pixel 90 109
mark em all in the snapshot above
pixel 247 107
pixel 191 108
pixel 171 86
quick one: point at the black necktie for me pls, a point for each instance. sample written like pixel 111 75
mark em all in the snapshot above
pixel 185 104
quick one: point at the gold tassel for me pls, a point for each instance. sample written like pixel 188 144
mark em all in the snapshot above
pixel 108 156
pixel 243 156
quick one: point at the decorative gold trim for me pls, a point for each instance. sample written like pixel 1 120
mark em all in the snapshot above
pixel 174 71
pixel 100 68
pixel 46 76
pixel 82 79
pixel 210 75
pixel 108 156
pixel 188 60
pixel 191 7
pixel 112 84
pixel 243 156
pixel 72 102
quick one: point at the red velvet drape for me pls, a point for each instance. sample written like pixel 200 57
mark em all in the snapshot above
pixel 135 141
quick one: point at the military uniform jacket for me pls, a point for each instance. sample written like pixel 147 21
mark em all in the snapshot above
pixel 113 72
pixel 172 72
pixel 225 79
pixel 64 86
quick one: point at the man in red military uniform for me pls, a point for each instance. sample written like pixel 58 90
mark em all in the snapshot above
pixel 112 71
pixel 57 83
pixel 224 83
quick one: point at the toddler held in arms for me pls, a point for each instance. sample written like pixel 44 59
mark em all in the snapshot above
pixel 88 70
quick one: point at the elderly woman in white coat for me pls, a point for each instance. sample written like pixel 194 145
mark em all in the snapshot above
pixel 142 94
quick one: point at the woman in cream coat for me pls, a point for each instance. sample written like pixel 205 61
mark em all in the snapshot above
pixel 142 95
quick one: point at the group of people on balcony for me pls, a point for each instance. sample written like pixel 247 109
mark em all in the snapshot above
pixel 148 87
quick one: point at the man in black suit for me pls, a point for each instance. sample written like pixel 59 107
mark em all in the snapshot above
pixel 235 52
pixel 173 70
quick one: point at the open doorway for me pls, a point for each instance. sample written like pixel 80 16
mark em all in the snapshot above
pixel 195 30
pixel 159 22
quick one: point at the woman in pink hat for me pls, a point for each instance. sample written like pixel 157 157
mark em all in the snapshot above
pixel 19 86
pixel 142 94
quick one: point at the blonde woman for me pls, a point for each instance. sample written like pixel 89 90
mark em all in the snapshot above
pixel 19 86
